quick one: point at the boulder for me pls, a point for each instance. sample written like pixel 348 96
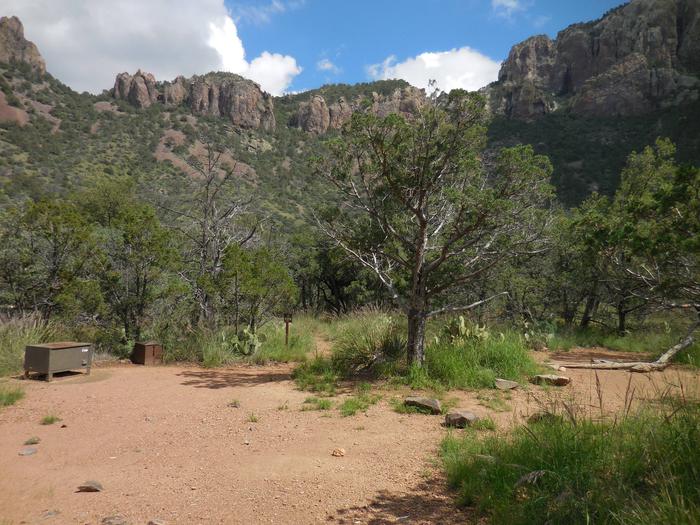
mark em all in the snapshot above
pixel 550 379
pixel 424 403
pixel 460 418
pixel 505 384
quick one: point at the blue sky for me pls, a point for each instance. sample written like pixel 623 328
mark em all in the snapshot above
pixel 355 35
pixel 290 45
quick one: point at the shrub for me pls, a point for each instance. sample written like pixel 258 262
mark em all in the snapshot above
pixel 643 469
pixel 316 375
pixel 272 347
pixel 50 419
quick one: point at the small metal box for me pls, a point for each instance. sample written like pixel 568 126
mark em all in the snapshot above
pixel 148 353
pixel 62 356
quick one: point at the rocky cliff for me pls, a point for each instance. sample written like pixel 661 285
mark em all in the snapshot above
pixel 639 57
pixel 215 94
pixel 317 116
pixel 15 48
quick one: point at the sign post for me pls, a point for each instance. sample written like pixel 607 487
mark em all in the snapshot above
pixel 287 320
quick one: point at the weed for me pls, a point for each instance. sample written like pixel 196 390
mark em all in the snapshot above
pixel 50 419
pixel 9 396
pixel 494 402
pixel 284 406
pixel 316 403
pixel 484 423
pixel 316 375
pixel 252 418
pixel 32 441
pixel 358 403
pixel 235 403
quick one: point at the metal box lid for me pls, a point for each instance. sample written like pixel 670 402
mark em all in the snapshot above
pixel 60 345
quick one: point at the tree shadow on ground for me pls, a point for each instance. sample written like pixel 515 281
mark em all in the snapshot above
pixel 430 502
pixel 216 379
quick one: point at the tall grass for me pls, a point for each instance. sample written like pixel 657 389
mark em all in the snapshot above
pixel 10 395
pixel 16 334
pixel 642 469
pixel 301 341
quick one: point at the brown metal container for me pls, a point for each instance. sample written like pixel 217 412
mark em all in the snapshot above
pixel 62 356
pixel 148 353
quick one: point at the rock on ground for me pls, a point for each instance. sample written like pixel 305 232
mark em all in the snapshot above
pixel 505 384
pixel 460 418
pixel 425 403
pixel 550 379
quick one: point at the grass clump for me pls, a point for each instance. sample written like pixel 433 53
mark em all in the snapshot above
pixel 34 440
pixel 50 419
pixel 359 402
pixel 316 403
pixel 10 395
pixel 273 349
pixel 642 469
pixel 474 363
pixel 316 375
pixel 252 418
pixel 16 334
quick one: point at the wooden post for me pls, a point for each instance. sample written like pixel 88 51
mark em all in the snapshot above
pixel 287 320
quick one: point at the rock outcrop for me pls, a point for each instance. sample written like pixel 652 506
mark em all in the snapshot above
pixel 641 56
pixel 217 94
pixel 317 116
pixel 15 48
pixel 139 89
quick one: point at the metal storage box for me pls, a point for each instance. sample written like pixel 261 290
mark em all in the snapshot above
pixel 148 353
pixel 63 356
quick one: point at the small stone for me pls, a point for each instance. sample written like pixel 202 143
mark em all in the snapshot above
pixel 114 520
pixel 460 418
pixel 64 425
pixel 505 384
pixel 50 514
pixel 562 369
pixel 91 486
pixel 550 379
pixel 28 451
pixel 246 442
pixel 338 452
pixel 156 522
pixel 424 403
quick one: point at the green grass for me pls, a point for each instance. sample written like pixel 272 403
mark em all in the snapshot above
pixel 495 401
pixel 50 419
pixel 32 441
pixel 484 423
pixel 16 334
pixel 10 395
pixel 359 402
pixel 472 364
pixel 301 341
pixel 252 418
pixel 316 403
pixel 316 375
pixel 642 469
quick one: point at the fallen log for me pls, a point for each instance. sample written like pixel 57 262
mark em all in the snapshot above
pixel 642 366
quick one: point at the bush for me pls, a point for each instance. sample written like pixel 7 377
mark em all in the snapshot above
pixel 272 347
pixel 316 375
pixel 367 340
pixel 644 469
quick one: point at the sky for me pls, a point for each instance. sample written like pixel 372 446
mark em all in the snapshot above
pixel 289 46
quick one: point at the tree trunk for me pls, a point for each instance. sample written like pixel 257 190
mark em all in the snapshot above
pixel 622 317
pixel 589 310
pixel 416 337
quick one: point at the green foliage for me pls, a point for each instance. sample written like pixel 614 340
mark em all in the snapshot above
pixel 16 334
pixel 50 419
pixel 469 364
pixel 316 375
pixel 316 403
pixel 10 395
pixel 358 403
pixel 272 347
pixel 643 469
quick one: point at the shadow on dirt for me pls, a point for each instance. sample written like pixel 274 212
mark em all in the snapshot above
pixel 428 503
pixel 216 379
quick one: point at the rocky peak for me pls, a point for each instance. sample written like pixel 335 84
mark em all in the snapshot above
pixel 15 48
pixel 215 94
pixel 638 57
pixel 317 116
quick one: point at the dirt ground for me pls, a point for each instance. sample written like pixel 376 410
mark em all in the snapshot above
pixel 165 444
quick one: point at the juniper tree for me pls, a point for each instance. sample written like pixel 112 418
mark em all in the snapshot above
pixel 423 209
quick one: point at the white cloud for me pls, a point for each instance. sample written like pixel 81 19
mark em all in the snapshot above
pixel 506 8
pixel 462 68
pixel 87 42
pixel 327 66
